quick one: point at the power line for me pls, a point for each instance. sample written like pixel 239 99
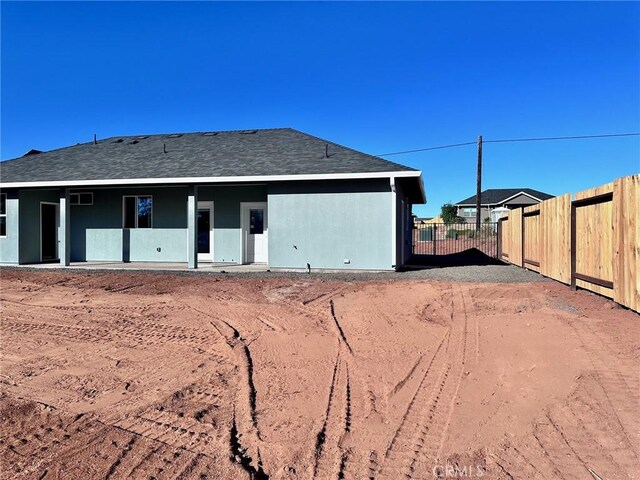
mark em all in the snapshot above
pixel 425 149
pixel 511 140
pixel 562 138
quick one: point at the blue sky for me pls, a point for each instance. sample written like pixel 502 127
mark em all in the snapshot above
pixel 379 77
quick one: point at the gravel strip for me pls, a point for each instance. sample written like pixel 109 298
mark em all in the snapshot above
pixel 468 273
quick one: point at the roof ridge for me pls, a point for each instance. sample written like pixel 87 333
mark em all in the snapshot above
pixel 194 133
pixel 105 139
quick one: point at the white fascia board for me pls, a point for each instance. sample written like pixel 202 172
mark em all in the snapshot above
pixel 198 180
pixel 519 193
pixel 498 203
pixel 473 204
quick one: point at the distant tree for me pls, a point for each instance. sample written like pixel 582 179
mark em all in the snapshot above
pixel 449 214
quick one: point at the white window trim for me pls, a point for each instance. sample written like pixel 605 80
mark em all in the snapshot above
pixel 57 205
pixel 467 213
pixel 244 227
pixel 207 257
pixel 6 224
pixel 136 217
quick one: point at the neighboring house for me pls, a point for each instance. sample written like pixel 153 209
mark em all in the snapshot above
pixel 499 197
pixel 426 220
pixel 275 196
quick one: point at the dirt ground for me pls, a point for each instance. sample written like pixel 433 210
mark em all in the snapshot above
pixel 446 246
pixel 130 375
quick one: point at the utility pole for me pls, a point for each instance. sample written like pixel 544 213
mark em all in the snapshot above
pixel 479 183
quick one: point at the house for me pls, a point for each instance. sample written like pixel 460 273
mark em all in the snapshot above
pixel 421 220
pixel 279 197
pixel 499 197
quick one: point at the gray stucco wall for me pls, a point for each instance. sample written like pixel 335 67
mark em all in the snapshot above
pixel 325 223
pixel 227 233
pixel 97 233
pixel 29 222
pixel 9 244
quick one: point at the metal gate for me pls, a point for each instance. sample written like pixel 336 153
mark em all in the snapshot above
pixel 445 239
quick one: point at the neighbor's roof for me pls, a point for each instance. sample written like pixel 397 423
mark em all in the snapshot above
pixel 493 196
pixel 230 154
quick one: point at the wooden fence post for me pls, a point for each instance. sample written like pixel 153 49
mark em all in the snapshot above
pixel 573 246
pixel 499 241
pixel 522 235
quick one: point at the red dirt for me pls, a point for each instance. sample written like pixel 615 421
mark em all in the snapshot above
pixel 127 375
pixel 446 246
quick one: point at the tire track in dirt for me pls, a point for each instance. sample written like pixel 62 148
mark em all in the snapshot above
pixel 330 457
pixel 398 386
pixel 121 456
pixel 412 413
pixel 251 433
pixel 237 342
pixel 587 431
pixel 151 453
pixel 323 297
pixel 54 449
pixel 140 333
pixel 339 327
pixel 607 366
pixel 172 432
pixel 321 437
pixel 579 434
pixel 418 440
pixel 240 455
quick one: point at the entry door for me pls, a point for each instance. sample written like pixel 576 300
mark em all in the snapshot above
pixel 205 231
pixel 255 233
pixel 49 215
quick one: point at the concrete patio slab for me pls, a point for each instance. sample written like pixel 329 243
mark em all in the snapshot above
pixel 153 266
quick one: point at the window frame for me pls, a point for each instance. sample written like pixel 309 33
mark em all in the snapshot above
pixel 137 218
pixel 4 215
pixel 262 221
pixel 79 196
pixel 468 212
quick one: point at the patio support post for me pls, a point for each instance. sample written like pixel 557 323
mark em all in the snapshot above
pixel 192 226
pixel 394 226
pixel 64 242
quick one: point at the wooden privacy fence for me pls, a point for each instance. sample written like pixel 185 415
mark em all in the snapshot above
pixel 592 242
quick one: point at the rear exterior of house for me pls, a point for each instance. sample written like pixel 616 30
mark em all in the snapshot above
pixel 499 198
pixel 277 197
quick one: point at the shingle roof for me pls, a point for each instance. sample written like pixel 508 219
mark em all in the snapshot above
pixel 493 196
pixel 282 151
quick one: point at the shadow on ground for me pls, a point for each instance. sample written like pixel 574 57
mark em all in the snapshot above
pixel 473 256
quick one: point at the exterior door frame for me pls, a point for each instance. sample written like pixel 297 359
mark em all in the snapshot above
pixel 207 257
pixel 57 256
pixel 244 226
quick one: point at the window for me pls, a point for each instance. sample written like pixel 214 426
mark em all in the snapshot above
pixel 3 214
pixel 84 198
pixel 137 211
pixel 469 212
pixel 256 221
